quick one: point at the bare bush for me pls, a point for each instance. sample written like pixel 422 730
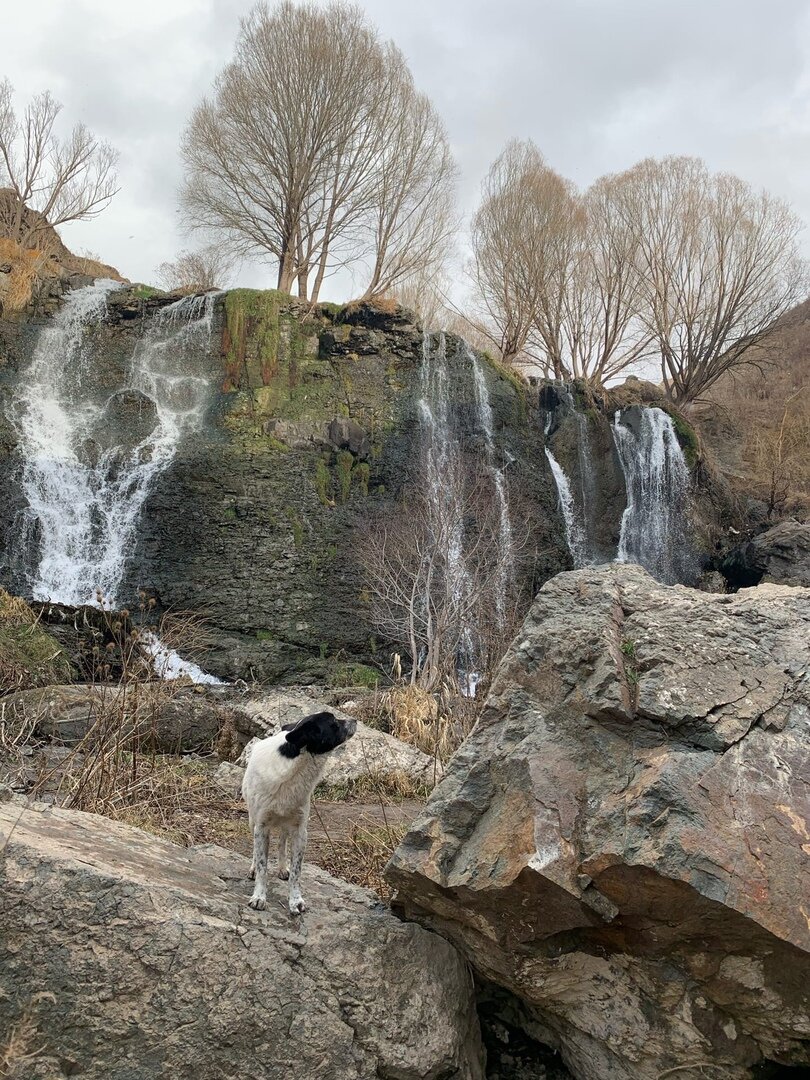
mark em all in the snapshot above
pixel 197 271
pixel 433 572
pixel 60 180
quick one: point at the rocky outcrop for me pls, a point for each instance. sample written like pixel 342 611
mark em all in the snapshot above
pixel 133 957
pixel 622 841
pixel 780 554
pixel 164 717
pixel 312 432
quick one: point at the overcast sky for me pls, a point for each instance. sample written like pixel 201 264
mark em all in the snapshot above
pixel 598 84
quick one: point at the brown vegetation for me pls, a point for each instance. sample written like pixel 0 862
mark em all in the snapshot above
pixel 758 421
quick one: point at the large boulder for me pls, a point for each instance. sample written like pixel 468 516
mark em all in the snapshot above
pixel 137 958
pixel 780 554
pixel 621 844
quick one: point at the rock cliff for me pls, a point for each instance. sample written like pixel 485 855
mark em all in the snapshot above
pixel 622 841
pixel 312 429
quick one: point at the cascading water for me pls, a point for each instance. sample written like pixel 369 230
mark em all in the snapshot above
pixel 444 476
pixel 574 531
pixel 85 488
pixel 85 484
pixel 506 547
pixel 653 526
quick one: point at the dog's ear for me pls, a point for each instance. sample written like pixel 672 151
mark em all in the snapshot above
pixel 318 734
pixel 289 727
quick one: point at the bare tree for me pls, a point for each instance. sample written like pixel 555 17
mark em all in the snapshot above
pixel 52 180
pixel 718 264
pixel 412 219
pixel 592 329
pixel 432 571
pixel 316 150
pixel 197 271
pixel 522 244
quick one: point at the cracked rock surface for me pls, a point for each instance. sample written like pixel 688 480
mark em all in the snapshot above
pixel 138 959
pixel 623 841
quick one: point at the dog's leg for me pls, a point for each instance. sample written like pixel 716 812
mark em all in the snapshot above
pixel 261 838
pixel 299 843
pixel 283 869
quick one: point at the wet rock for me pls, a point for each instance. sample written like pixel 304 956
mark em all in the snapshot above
pixel 622 841
pixel 134 955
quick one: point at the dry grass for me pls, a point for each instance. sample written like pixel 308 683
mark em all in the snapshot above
pixel 361 859
pixel 27 267
pixel 29 656
pixel 386 787
pixel 23 1043
pixel 436 724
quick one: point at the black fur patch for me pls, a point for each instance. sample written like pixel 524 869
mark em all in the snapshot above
pixel 317 734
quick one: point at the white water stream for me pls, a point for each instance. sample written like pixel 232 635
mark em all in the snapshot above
pixel 656 476
pixel 84 478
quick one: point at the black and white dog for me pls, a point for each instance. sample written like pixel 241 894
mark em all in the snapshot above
pixel 281 774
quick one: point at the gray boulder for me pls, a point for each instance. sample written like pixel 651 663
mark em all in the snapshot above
pixel 622 842
pixel 171 718
pixel 135 958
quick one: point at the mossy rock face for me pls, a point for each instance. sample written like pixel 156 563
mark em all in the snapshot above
pixel 29 656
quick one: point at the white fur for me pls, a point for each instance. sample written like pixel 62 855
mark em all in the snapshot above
pixel 278 791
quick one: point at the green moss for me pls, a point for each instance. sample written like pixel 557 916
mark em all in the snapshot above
pixel 362 471
pixel 345 465
pixel 354 675
pixel 229 513
pixel 323 482
pixel 145 292
pixel 264 635
pixel 687 437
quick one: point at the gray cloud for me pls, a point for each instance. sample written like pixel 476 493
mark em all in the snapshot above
pixel 598 84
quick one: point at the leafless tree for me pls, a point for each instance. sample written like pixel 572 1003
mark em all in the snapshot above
pixel 52 180
pixel 432 571
pixel 412 219
pixel 316 150
pixel 521 239
pixel 197 271
pixel 718 265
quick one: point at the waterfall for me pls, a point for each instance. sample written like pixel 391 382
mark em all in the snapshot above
pixel 85 483
pixel 506 547
pixel 656 476
pixel 574 530
pixel 444 482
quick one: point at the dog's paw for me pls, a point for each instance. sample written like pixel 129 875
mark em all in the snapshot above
pixel 284 874
pixel 297 905
pixel 258 903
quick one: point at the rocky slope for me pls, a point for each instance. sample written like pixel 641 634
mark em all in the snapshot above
pixel 622 841
pixel 124 955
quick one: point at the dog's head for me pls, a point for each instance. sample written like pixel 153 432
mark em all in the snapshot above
pixel 317 734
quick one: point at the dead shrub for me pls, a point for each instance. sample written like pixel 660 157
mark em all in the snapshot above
pixel 25 267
